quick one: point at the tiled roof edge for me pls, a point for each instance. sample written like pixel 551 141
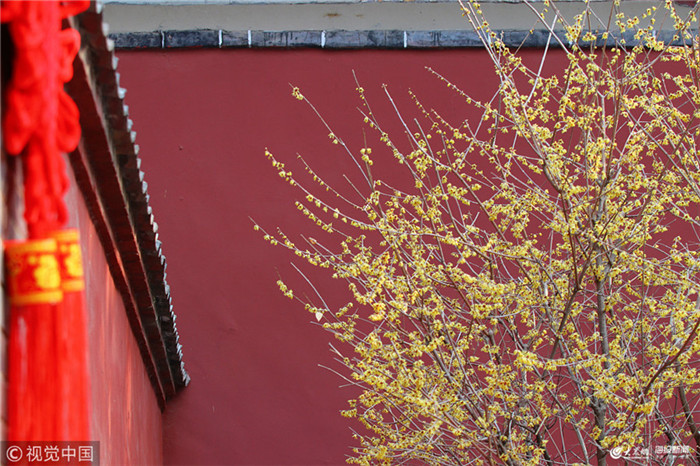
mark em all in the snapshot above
pixel 346 39
pixel 142 261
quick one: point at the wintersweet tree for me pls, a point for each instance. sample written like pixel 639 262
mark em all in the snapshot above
pixel 531 296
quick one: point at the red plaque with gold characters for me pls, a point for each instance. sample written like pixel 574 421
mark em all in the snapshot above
pixel 33 275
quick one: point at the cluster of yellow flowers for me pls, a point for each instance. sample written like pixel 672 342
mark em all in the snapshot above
pixel 532 296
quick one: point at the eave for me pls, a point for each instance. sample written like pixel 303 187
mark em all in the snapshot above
pixel 107 170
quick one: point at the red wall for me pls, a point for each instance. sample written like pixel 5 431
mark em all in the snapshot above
pixel 126 419
pixel 204 118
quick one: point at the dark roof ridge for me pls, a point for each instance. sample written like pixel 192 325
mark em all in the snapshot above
pixel 127 230
pixel 360 39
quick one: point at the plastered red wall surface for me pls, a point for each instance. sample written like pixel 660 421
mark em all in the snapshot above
pixel 126 419
pixel 204 119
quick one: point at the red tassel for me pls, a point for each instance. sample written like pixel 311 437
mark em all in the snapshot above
pixel 33 280
pixel 48 397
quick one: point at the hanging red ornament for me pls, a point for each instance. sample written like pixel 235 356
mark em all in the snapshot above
pixel 48 396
